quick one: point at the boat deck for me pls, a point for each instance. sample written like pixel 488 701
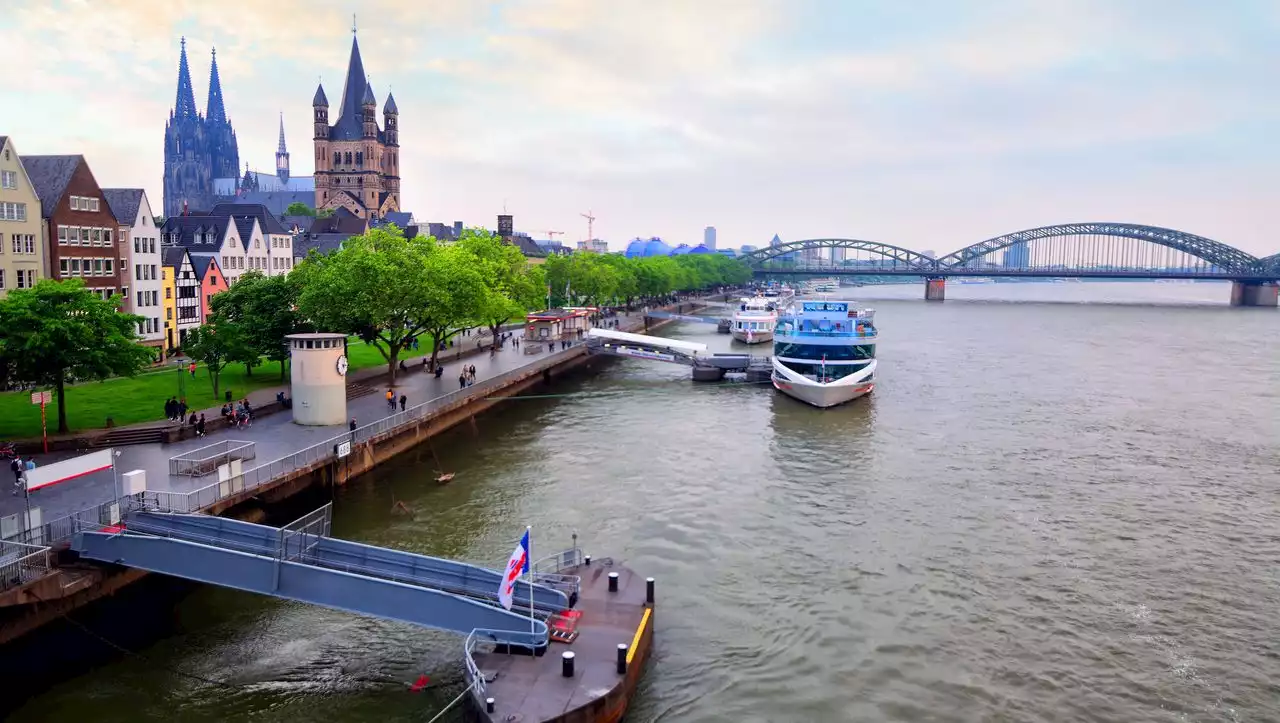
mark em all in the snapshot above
pixel 527 688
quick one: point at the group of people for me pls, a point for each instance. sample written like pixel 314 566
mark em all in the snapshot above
pixel 239 415
pixel 467 376
pixel 391 401
pixel 175 410
pixel 20 467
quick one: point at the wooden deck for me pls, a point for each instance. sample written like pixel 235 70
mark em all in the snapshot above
pixel 529 689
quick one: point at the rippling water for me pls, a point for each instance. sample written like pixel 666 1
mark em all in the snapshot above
pixel 1053 511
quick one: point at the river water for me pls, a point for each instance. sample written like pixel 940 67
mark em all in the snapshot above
pixel 1061 509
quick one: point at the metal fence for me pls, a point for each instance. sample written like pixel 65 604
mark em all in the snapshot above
pixel 21 563
pixel 207 459
pixel 298 537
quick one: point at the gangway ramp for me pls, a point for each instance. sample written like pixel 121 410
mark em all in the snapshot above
pixel 642 346
pixel 300 562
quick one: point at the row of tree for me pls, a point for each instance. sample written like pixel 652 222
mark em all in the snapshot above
pixel 381 287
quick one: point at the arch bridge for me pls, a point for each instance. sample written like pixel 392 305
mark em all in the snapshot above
pixel 1097 250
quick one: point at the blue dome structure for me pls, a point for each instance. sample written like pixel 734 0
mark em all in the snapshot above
pixel 700 249
pixel 635 249
pixel 656 247
pixel 681 250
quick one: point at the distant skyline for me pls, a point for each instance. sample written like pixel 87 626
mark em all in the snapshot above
pixel 931 124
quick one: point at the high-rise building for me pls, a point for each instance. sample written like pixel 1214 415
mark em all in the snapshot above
pixel 709 237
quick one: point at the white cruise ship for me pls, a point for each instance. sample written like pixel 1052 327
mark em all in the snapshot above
pixel 754 319
pixel 824 352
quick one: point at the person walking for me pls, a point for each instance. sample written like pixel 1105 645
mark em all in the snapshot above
pixel 403 400
pixel 391 400
pixel 200 426
pixel 192 369
pixel 353 424
pixel 17 467
pixel 462 380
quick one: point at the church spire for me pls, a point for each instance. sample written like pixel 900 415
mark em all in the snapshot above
pixel 214 110
pixel 353 91
pixel 282 156
pixel 185 105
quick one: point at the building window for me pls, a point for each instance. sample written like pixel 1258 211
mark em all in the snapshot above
pixel 23 243
pixel 8 179
pixel 84 237
pixel 108 266
pixel 168 314
pixel 2 270
pixel 168 293
pixel 26 278
pixel 63 266
pixel 10 211
pixel 75 203
pixel 93 204
pixel 97 267
pixel 75 267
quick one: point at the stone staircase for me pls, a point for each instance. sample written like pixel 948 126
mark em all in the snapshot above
pixel 126 436
pixel 355 390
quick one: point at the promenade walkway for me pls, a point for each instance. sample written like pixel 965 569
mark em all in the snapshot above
pixel 276 436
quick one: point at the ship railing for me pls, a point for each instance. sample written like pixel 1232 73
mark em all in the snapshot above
pixel 562 560
pixel 484 640
pixel 815 332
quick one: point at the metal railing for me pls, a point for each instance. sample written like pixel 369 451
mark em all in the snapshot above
pixel 484 640
pixel 21 563
pixel 207 459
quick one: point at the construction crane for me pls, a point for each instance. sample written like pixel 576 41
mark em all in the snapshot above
pixel 551 235
pixel 590 226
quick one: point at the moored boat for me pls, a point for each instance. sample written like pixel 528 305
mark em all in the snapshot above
pixel 754 319
pixel 824 352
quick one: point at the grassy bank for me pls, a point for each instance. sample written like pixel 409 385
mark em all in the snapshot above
pixel 130 400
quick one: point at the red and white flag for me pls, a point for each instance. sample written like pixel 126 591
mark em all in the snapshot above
pixel 516 566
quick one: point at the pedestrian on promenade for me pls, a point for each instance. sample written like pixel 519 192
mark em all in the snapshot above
pixel 192 368
pixel 391 400
pixel 200 426
pixel 353 424
pixel 473 372
pixel 403 400
pixel 168 409
pixel 462 380
pixel 18 468
pixel 182 409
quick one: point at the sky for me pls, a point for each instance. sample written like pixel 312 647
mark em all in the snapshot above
pixel 929 124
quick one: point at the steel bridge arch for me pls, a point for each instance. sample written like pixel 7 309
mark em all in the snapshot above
pixel 1269 264
pixel 1227 258
pixel 911 259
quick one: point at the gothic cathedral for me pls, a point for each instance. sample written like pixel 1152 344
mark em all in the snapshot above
pixel 357 163
pixel 198 149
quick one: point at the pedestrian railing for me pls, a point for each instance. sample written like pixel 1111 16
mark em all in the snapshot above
pixel 207 459
pixel 21 563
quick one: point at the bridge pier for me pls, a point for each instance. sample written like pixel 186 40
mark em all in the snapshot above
pixel 1255 293
pixel 935 288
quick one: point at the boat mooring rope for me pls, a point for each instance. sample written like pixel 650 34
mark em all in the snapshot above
pixel 452 703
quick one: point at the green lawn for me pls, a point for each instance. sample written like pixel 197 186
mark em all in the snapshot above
pixel 130 400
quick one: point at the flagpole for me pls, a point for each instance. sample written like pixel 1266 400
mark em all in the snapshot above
pixel 529 531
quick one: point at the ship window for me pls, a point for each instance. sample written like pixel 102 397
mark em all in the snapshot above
pixel 815 352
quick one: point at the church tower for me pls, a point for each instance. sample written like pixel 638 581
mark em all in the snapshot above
pixel 223 149
pixel 188 177
pixel 356 161
pixel 282 157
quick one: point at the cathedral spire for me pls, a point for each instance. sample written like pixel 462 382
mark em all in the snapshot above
pixel 280 147
pixel 185 105
pixel 214 110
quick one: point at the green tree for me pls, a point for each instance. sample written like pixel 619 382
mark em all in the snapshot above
pixel 298 208
pixel 59 331
pixel 456 293
pixel 324 213
pixel 512 284
pixel 264 308
pixel 216 345
pixel 376 286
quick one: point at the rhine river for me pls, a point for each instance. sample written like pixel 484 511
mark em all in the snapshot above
pixel 1061 509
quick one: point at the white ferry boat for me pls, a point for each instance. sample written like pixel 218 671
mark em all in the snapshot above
pixel 824 352
pixel 754 319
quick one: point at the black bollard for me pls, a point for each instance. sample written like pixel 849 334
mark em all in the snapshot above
pixel 586 560
pixel 622 658
pixel 488 705
pixel 648 590
pixel 566 664
pixel 613 582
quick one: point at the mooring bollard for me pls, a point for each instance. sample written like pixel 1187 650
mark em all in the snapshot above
pixel 586 560
pixel 488 705
pixel 613 582
pixel 648 590
pixel 566 664
pixel 622 658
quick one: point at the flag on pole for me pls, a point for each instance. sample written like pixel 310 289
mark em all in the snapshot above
pixel 516 566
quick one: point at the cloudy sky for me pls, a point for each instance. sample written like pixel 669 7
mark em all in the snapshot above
pixel 930 124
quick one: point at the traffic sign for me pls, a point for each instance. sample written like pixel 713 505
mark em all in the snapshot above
pixel 41 397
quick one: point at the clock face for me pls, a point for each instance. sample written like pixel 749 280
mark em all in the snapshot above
pixel 342 365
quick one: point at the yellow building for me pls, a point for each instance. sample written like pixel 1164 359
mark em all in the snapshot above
pixel 22 240
pixel 168 304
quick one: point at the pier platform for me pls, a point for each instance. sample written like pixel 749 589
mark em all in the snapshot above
pixel 612 636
